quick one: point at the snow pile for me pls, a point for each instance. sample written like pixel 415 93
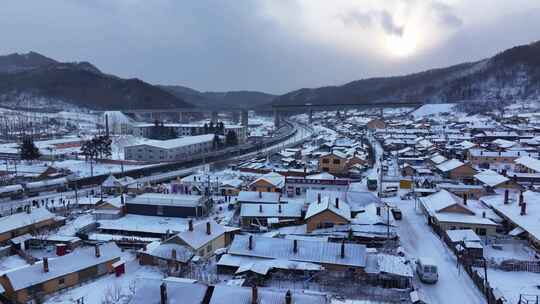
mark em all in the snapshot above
pixel 433 109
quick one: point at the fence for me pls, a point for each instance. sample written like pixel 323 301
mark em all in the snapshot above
pixel 483 285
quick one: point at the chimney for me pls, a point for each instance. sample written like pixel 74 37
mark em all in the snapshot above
pixel 378 210
pixel 98 254
pixel 337 202
pixel 342 249
pixel 208 228
pixel 279 208
pixel 295 246
pixel 521 197
pixel 173 254
pixel 484 214
pixel 190 225
pixel 481 152
pixel 163 293
pixel 519 153
pixel 260 194
pixel 254 294
pixel 523 209
pixel 506 196
pixel 260 208
pixel 464 198
pixel 318 198
pixel 45 264
pixel 250 244
pixel 288 297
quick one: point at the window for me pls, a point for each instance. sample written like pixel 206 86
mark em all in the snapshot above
pixel 336 161
pixel 325 161
pixel 481 231
pixel 61 281
pixel 209 248
pixel 326 169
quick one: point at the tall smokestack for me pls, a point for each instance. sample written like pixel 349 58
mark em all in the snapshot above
pixel 107 125
pixel 45 264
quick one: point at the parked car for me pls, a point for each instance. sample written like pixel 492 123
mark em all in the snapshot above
pixel 427 270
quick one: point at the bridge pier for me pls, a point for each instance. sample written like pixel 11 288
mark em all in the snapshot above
pixel 214 117
pixel 277 121
pixel 235 117
pixel 244 117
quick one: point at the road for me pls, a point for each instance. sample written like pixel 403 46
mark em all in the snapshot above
pixel 419 240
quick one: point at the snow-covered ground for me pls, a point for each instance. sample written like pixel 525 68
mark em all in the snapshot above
pixel 433 109
pixel 512 284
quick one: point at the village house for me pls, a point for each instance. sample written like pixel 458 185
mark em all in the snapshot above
pixel 520 211
pixel 113 185
pixel 333 163
pixel 527 164
pixel 296 186
pixel 446 211
pixel 33 282
pixel 257 216
pixel 487 159
pixel 325 213
pixel 165 255
pixel 202 238
pixel 493 181
pixel 331 256
pixel 254 197
pixel 18 224
pixel 270 182
pixel 376 123
pixel 230 187
pixel 168 205
pixel 456 170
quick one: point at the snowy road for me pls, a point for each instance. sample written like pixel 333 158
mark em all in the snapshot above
pixel 417 238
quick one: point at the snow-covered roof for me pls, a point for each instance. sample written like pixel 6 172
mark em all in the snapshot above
pixel 177 142
pixel 11 188
pixel 227 294
pixel 180 200
pixel 79 259
pixel 273 178
pixel 449 165
pixel 456 236
pixel 343 210
pixel 234 183
pixel 147 291
pixel 389 264
pixel 165 251
pixel 529 162
pixel 438 159
pixel 259 197
pixel 308 251
pixel 199 236
pixel 491 178
pixel 529 222
pixel 23 219
pixel 256 264
pixel 112 181
pixel 271 210
pixel 441 200
pixel 322 175
pixel 48 182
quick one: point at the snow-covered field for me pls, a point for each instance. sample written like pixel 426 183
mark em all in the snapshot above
pixel 433 109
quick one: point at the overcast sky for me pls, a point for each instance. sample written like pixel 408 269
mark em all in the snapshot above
pixel 272 46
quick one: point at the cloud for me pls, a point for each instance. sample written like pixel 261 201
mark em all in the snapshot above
pixel 445 15
pixel 268 45
pixel 366 20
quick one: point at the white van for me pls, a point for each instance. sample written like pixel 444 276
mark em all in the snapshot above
pixel 427 270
